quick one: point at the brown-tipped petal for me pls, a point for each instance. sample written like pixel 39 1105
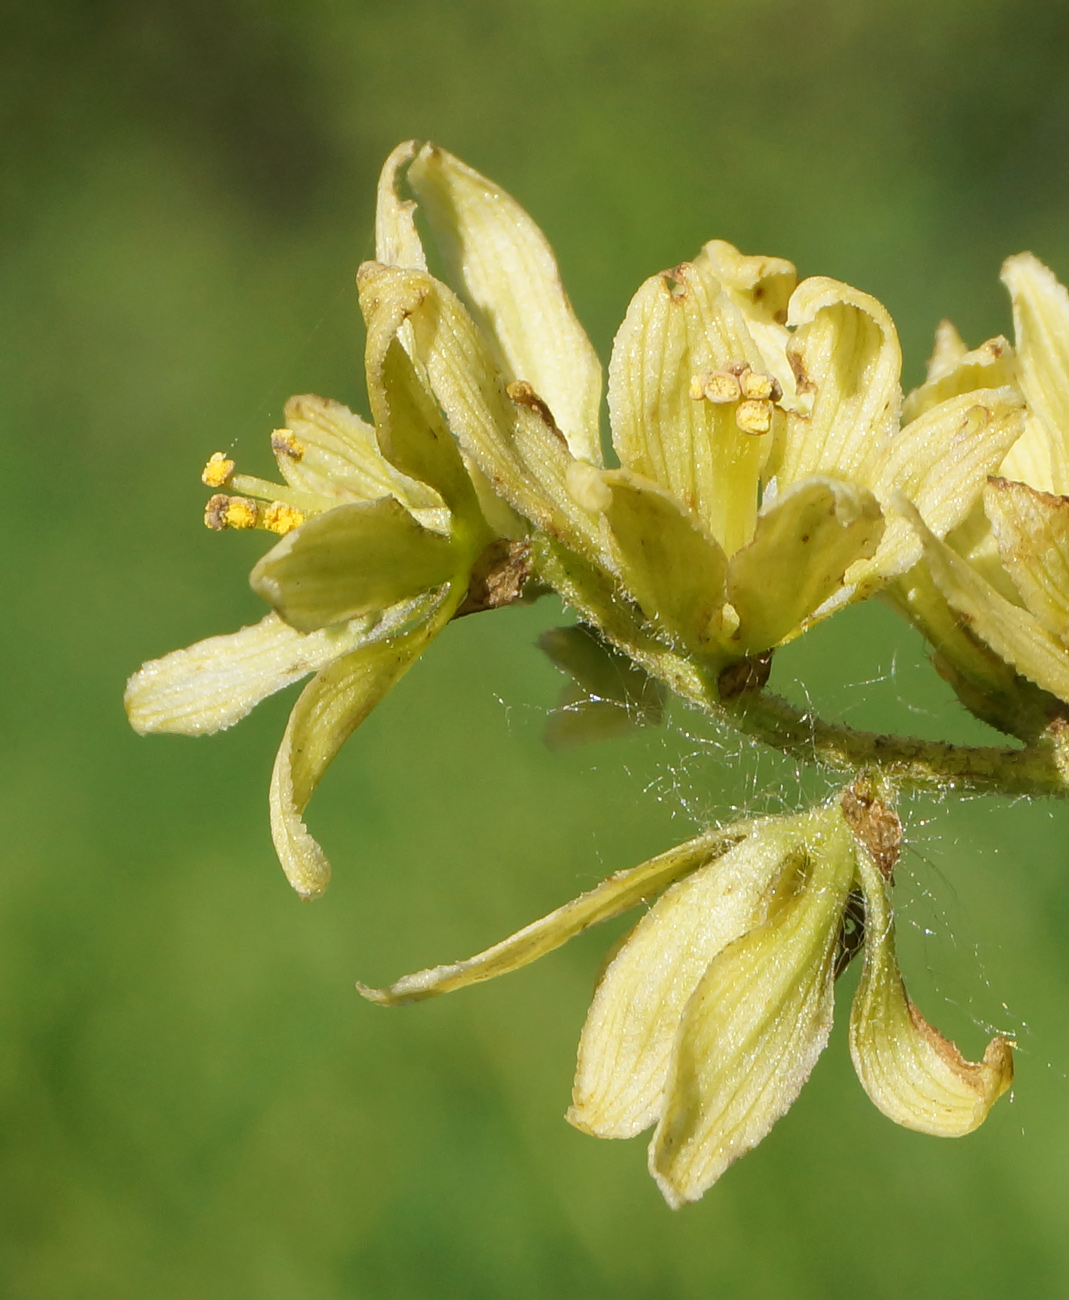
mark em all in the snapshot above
pixel 326 714
pixel 506 270
pixel 755 1025
pixel 681 325
pixel 1041 325
pixel 626 1047
pixel 910 1071
pixel 353 560
pixel 803 544
pixel 992 365
pixel 624 890
pixel 1032 532
pixel 669 564
pixel 397 241
pixel 846 360
pixel 209 686
pixel 1010 631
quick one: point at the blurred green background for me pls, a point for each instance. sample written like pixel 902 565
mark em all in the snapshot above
pixel 195 1103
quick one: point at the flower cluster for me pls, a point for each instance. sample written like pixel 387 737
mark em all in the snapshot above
pixel 766 472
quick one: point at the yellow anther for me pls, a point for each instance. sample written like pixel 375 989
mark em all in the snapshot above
pixel 722 387
pixel 284 442
pixel 230 512
pixel 281 519
pixel 760 386
pixel 753 416
pixel 218 470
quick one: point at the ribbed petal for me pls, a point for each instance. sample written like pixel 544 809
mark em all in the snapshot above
pixel 328 711
pixel 336 455
pixel 510 439
pixel 803 544
pixel 847 360
pixel 1010 631
pixel 940 462
pixel 397 242
pixel 209 686
pixel 679 325
pixel 409 425
pixel 910 1071
pixel 1041 324
pixel 951 373
pixel 754 1026
pixel 626 1047
pixel 356 559
pixel 506 271
pixel 761 288
pixel 1032 532
pixel 624 890
pixel 668 563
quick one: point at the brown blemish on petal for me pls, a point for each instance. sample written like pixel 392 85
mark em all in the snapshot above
pixel 875 825
pixel 523 394
pixel 801 378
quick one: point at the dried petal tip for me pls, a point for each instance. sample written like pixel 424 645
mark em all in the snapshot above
pixel 910 1071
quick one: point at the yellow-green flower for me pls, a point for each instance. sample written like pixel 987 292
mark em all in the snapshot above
pixel 711 1015
pixel 1005 573
pixel 382 529
pixel 756 420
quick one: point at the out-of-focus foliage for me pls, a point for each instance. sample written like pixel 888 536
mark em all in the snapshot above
pixel 194 1100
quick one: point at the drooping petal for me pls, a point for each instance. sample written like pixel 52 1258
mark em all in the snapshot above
pixel 397 242
pixel 506 271
pixel 681 325
pixel 1032 532
pixel 909 1070
pixel 1010 631
pixel 619 893
pixel 209 686
pixel 803 544
pixel 668 563
pixel 940 462
pixel 626 1047
pixel 326 714
pixel 761 288
pixel 353 560
pixel 511 439
pixel 951 373
pixel 335 454
pixel 754 1027
pixel 1041 325
pixel 846 360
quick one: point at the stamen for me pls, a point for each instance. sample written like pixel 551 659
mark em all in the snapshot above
pixel 760 386
pixel 230 512
pixel 719 386
pixel 218 470
pixel 280 518
pixel 754 417
pixel 284 442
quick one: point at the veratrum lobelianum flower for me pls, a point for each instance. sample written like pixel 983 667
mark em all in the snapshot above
pixel 710 1016
pixel 1005 572
pixel 756 421
pixel 382 531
